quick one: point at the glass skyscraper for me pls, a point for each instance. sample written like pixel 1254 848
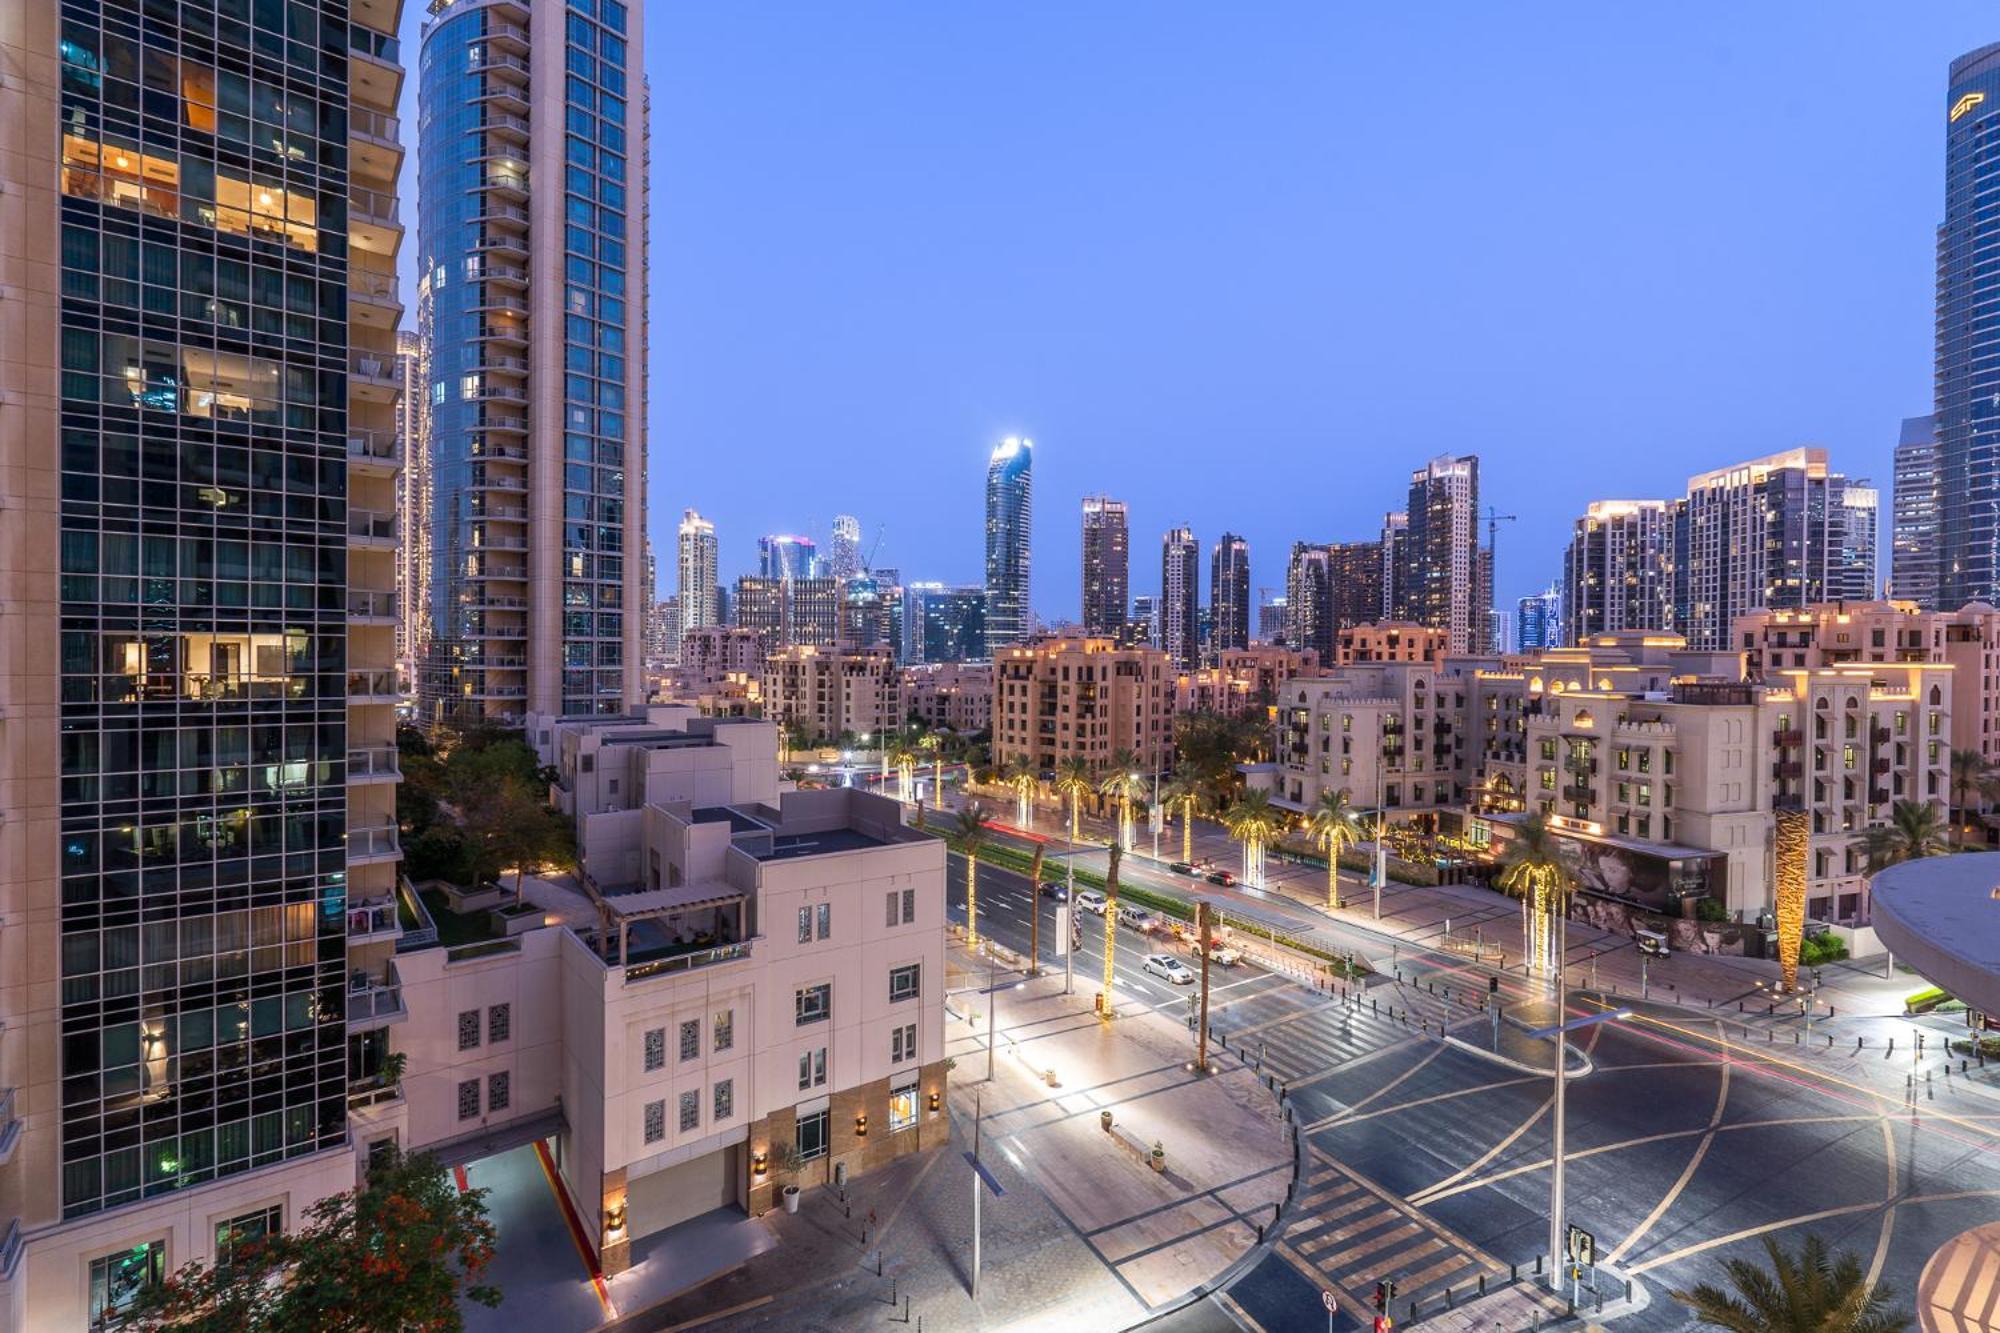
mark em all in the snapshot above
pixel 1968 336
pixel 1010 494
pixel 202 766
pixel 537 596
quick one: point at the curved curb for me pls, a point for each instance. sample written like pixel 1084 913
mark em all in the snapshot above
pixel 1521 1066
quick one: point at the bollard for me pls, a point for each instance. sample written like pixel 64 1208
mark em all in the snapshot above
pixel 1482 1284
pixel 1513 1272
pixel 1538 1265
pixel 1857 1042
pixel 906 1309
pixel 1628 1289
pixel 1892 1045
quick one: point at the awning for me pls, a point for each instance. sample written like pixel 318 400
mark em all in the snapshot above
pixel 680 898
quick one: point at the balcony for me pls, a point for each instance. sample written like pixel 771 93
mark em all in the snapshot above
pixel 499 632
pixel 1580 795
pixel 373 378
pixel 492 662
pixel 371 763
pixel 374 1002
pixel 489 209
pixel 507 67
pixel 507 36
pixel 512 453
pixel 1789 768
pixel 373 844
pixel 497 393
pixel 12 1246
pixel 1788 738
pixel 373 451
pixel 371 529
pixel 10 1124
pixel 509 185
pixel 517 484
pixel 494 301
pixel 688 961
pixel 374 219
pixel 368 607
pixel 375 127
pixel 514 129
pixel 373 920
pixel 372 299
pixel 498 692
pixel 373 687
pixel 511 275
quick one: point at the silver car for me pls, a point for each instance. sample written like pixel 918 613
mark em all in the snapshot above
pixel 1168 968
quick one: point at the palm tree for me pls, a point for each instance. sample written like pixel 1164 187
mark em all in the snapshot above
pixel 903 759
pixel 1073 781
pixel 1022 778
pixel 1035 911
pixel 1533 870
pixel 1110 920
pixel 1913 832
pixel 1253 821
pixel 1183 789
pixel 1972 774
pixel 1813 1292
pixel 934 742
pixel 1123 780
pixel 1335 825
pixel 968 835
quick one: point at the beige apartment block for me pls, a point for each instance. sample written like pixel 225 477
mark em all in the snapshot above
pixel 951 696
pixel 1081 698
pixel 830 692
pixel 1387 734
pixel 1388 641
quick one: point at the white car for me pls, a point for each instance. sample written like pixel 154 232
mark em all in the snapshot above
pixel 1168 968
pixel 1090 900
pixel 1218 953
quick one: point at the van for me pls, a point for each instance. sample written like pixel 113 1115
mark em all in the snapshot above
pixel 1651 943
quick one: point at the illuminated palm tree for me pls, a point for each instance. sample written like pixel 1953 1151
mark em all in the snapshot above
pixel 968 835
pixel 1813 1290
pixel 1110 921
pixel 1913 832
pixel 1335 825
pixel 1184 789
pixel 1533 870
pixel 904 759
pixel 1253 821
pixel 1073 781
pixel 934 742
pixel 1122 782
pixel 1022 778
pixel 1972 774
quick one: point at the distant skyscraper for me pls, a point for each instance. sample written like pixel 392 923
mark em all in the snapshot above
pixel 1271 619
pixel 700 591
pixel 1309 623
pixel 663 635
pixel 1538 622
pixel 1913 550
pixel 1813 542
pixel 537 358
pixel 787 556
pixel 1106 565
pixel 1010 512
pixel 1229 594
pixel 944 624
pixel 1354 594
pixel 843 551
pixel 1967 373
pixel 1445 581
pixel 1618 570
pixel 790 612
pixel 867 613
pixel 1394 579
pixel 1144 626
pixel 1180 596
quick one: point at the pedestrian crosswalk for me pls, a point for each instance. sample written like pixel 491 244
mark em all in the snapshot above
pixel 1347 1235
pixel 1314 1037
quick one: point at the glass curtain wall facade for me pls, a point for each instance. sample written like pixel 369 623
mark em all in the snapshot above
pixel 1967 372
pixel 1010 512
pixel 223 256
pixel 537 484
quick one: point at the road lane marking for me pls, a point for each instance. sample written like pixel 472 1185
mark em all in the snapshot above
pixel 1688 1252
pixel 1889 1199
pixel 1435 1052
pixel 1444 1097
pixel 576 1231
pixel 1422 1195
pixel 1687 1174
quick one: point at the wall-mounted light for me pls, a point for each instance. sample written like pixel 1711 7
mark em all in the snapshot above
pixel 934 1103
pixel 614 1219
pixel 861 1125
pixel 760 1162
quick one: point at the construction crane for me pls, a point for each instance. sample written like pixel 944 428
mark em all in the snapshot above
pixel 868 565
pixel 1494 518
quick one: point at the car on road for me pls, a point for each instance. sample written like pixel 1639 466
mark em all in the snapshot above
pixel 1051 889
pixel 1184 868
pixel 1090 900
pixel 1218 953
pixel 1222 877
pixel 1168 968
pixel 1138 918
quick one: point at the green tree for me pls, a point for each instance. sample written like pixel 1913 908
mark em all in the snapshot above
pixel 1254 822
pixel 397 1253
pixel 1335 825
pixel 1915 830
pixel 969 833
pixel 1532 869
pixel 1073 782
pixel 1972 774
pixel 1812 1292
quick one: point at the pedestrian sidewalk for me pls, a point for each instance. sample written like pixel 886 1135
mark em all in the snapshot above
pixel 1086 1233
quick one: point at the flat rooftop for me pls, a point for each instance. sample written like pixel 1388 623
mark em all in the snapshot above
pixel 788 845
pixel 721 814
pixel 1941 916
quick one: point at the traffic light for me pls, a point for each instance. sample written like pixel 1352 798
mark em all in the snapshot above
pixel 1384 1293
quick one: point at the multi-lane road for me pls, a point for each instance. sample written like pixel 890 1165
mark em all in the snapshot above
pixel 1686 1143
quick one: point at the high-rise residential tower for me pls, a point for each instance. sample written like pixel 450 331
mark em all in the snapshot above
pixel 536 355
pixel 786 556
pixel 1229 594
pixel 1444 568
pixel 1967 371
pixel 1781 531
pixel 1309 625
pixel 1180 598
pixel 197 666
pixel 696 555
pixel 843 549
pixel 1010 514
pixel 1618 570
pixel 412 500
pixel 1913 550
pixel 1538 621
pixel 1107 570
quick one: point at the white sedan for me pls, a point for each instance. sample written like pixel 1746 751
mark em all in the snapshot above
pixel 1168 968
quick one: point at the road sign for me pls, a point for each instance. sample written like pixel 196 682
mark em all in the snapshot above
pixel 1580 1247
pixel 1065 932
pixel 1326 1298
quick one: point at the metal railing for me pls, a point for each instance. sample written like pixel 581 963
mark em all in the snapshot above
pixel 372 840
pixel 378 206
pixel 378 125
pixel 375 445
pixel 502 120
pixel 373 368
pixel 721 953
pixel 368 917
pixel 365 604
pixel 10 1123
pixel 376 683
pixel 11 1247
pixel 368 285
pixel 371 525
pixel 374 1001
pixel 494 208
pixel 489 61
pixel 373 761
pixel 425 933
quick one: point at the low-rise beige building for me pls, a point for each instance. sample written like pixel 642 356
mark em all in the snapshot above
pixel 952 696
pixel 1081 698
pixel 1388 641
pixel 833 692
pixel 1241 678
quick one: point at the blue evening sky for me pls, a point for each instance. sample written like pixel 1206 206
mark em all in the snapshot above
pixel 1244 265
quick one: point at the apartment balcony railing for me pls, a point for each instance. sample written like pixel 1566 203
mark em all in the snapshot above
pixel 421 932
pixel 372 842
pixel 511 65
pixel 1792 737
pixel 371 446
pixel 11 1248
pixel 376 288
pixel 371 525
pixel 373 370
pixel 687 962
pixel 1581 795
pixel 372 763
pixel 501 122
pixel 373 206
pixel 489 662
pixel 379 126
pixel 366 604
pixel 373 1002
pixel 379 685
pixel 372 919
pixel 369 1095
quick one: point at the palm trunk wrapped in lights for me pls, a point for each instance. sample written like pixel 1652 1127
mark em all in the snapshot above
pixel 1793 836
pixel 1253 821
pixel 1187 829
pixel 1110 922
pixel 1533 871
pixel 1336 827
pixel 968 835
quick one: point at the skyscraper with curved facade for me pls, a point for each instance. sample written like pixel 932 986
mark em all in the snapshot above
pixel 1010 491
pixel 1967 376
pixel 532 126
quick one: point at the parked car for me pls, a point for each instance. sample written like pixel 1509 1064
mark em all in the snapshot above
pixel 1052 889
pixel 1090 900
pixel 1222 877
pixel 1184 868
pixel 1138 918
pixel 1168 968
pixel 1218 953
